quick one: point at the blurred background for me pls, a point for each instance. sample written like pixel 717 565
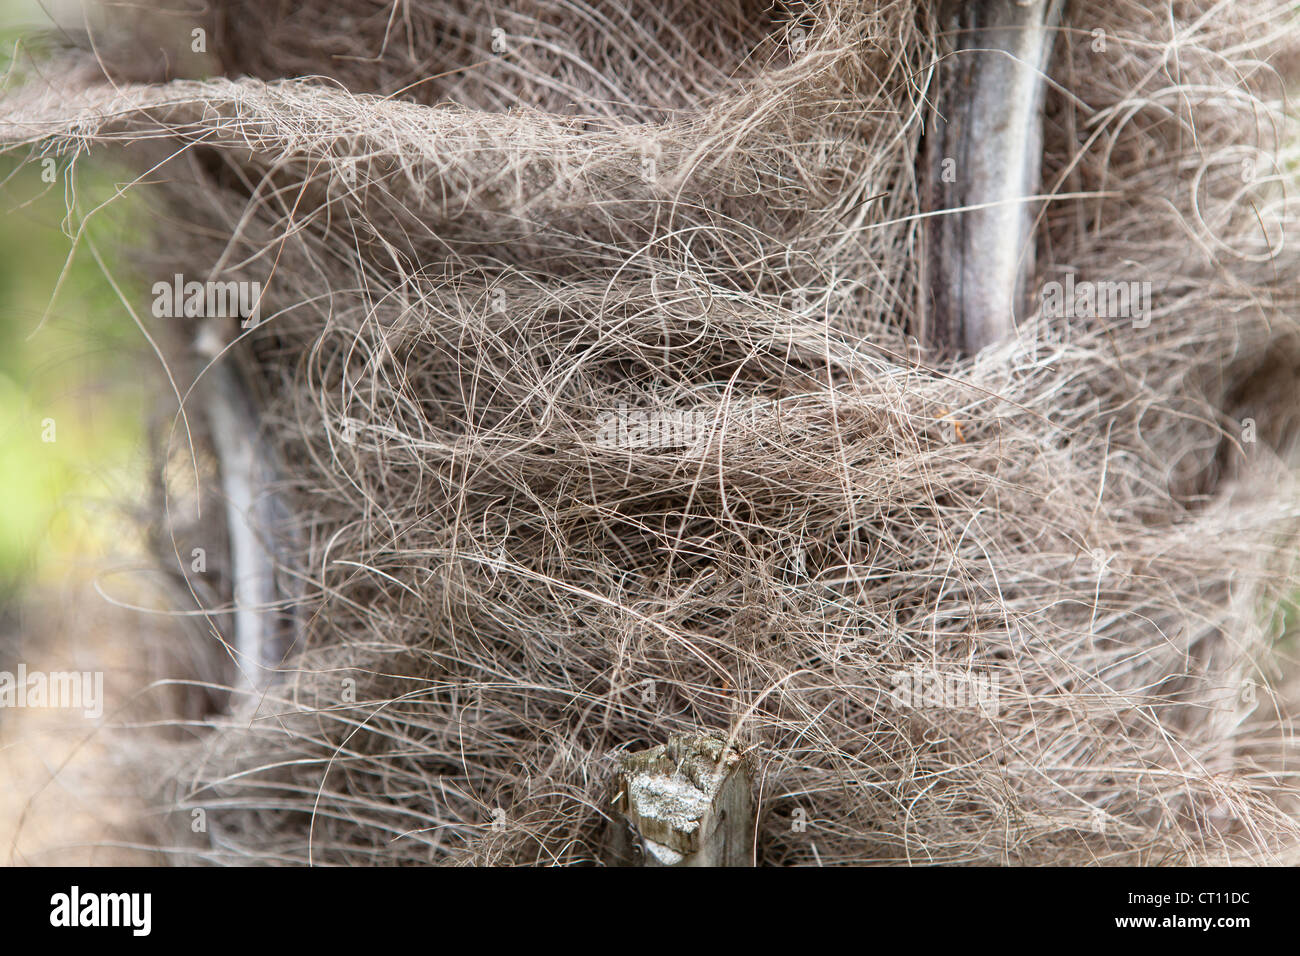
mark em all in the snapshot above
pixel 78 388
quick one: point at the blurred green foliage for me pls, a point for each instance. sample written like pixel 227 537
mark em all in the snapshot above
pixel 69 370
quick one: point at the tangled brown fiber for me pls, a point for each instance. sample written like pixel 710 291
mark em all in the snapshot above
pixel 474 256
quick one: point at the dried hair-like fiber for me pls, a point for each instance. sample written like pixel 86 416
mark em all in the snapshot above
pixel 484 232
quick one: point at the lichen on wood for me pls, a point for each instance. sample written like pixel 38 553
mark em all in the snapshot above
pixel 688 802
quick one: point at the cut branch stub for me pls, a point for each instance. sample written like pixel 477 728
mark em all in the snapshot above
pixel 688 802
pixel 983 150
pixel 255 515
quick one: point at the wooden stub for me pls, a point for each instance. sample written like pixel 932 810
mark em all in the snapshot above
pixel 254 512
pixel 688 802
pixel 983 147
